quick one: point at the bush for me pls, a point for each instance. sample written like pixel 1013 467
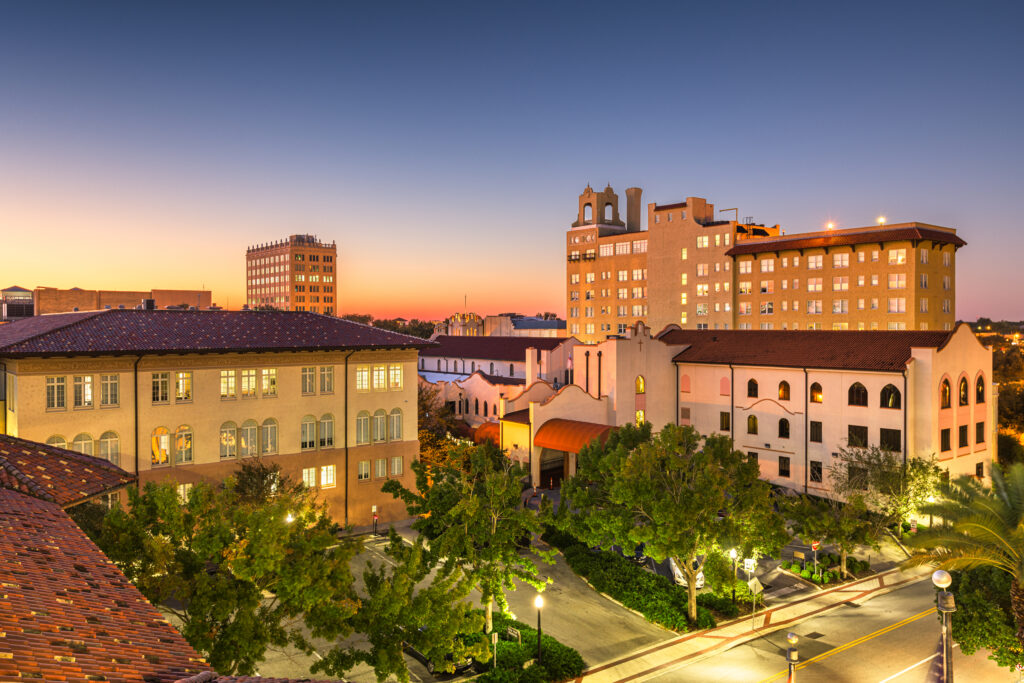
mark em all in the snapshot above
pixel 719 603
pixel 795 568
pixel 805 574
pixel 560 662
pixel 704 618
pixel 717 571
pixel 785 564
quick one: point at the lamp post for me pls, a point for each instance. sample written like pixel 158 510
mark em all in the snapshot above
pixel 538 602
pixel 946 605
pixel 732 556
pixel 792 656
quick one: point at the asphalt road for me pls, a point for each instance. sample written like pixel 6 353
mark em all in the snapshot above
pixel 889 639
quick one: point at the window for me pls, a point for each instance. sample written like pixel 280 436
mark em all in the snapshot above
pixel 57 441
pixel 858 395
pixel 702 270
pixel 746 267
pixel 82 386
pixel 327 431
pixel 815 432
pixel 327 379
pixel 308 380
pixel 897 257
pixel 268 436
pixel 944 440
pixel 228 440
pixel 813 284
pixel 309 477
pixel 816 471
pixel 702 241
pixel 307 433
pixel 745 308
pixel 979 432
pixel 979 390
pixel 752 456
pixel 963 443
pixel 363 376
pixel 161 446
pixel 380 426
pixel 890 397
pixel 724 421
pixel 247 441
pixel 814 306
pixel 924 255
pixel 184 491
pixel 783 428
pixel 898 305
pixel 227 383
pixel 783 391
pixel 897 280
pixel 979 470
pixel 840 260
pixel 327 479
pixel 380 378
pixel 364 471
pixel 182 387
pixel 82 443
pixel 945 394
pixel 640 417
pixel 924 305
pixel 752 390
pixel 841 283
pixel 641 384
pixel 783 465
pixel 752 424
pixel 248 383
pixel 816 394
pixel 395 425
pixel 183 445
pixel 964 393
pixel 161 387
pixel 362 428
pixel 396 466
pixel 381 467
pixel 110 390
pixel 269 382
pixel 767 265
pixel 814 262
pixel 395 376
pixel 767 308
pixel 857 436
pixel 110 447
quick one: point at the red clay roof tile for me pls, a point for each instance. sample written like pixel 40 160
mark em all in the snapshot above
pixel 508 349
pixel 836 238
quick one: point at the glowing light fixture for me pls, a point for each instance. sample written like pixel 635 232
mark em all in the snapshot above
pixel 881 220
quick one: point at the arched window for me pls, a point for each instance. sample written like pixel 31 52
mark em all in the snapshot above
pixel 816 394
pixel 472 366
pixel 161 446
pixel 327 431
pixel 641 385
pixel 57 441
pixel 965 393
pixel 439 365
pixel 307 433
pixel 588 213
pixel 183 445
pixel 494 409
pixel 476 406
pixel 608 211
pixel 268 436
pixel 380 426
pixel 890 396
pixel 110 447
pixel 492 369
pixel 247 439
pixel 362 428
pixel 858 394
pixel 511 370
pixel 82 443
pixel 945 394
pixel 395 425
pixel 228 440
pixel 979 390
pixel 485 408
pixel 783 391
pixel 752 424
pixel 783 428
pixel 752 390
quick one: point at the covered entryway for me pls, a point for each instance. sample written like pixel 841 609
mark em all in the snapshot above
pixel 556 444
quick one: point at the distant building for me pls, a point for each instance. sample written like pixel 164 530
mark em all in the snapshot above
pixel 295 274
pixel 53 300
pixel 15 303
pixel 523 326
pixel 460 325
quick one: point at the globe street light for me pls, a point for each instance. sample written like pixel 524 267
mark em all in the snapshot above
pixel 538 602
pixel 732 556
pixel 792 656
pixel 946 605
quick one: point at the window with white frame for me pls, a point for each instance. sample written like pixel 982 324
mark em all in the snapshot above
pixel 363 377
pixel 396 466
pixel 897 257
pixel 380 378
pixel 110 390
pixel 395 425
pixel 183 387
pixel 82 393
pixel 110 447
pixel 814 262
pixel 227 384
pixel 362 428
pixel 82 443
pixel 327 379
pixel 702 241
pixel 814 284
pixel 309 477
pixel 841 283
pixel 268 436
pixel 228 440
pixel 814 307
pixel 326 429
pixel 767 265
pixel 183 445
pixel 161 382
pixel 327 476
pixel 381 466
pixel 840 260
pixel 897 280
pixel 269 382
pixel 307 433
pixel 309 380
pixel 703 270
pixel 897 305
pixel 363 472
pixel 840 306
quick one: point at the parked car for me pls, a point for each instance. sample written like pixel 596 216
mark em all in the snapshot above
pixel 680 578
pixel 460 667
pixel 639 556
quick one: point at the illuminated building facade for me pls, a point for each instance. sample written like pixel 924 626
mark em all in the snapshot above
pixel 296 274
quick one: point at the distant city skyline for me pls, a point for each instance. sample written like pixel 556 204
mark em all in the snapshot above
pixel 443 147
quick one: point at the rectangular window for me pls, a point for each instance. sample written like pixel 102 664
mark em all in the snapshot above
pixel 56 393
pixel 946 260
pixel 161 387
pixel 840 260
pixel 602 250
pixel 702 241
pixel 767 265
pixel 816 469
pixel 840 306
pixel 783 465
pixel 327 379
pixel 815 432
pixel 767 308
pixel 395 376
pixel 944 444
pixel 924 305
pixel 963 443
pixel 227 383
pixel 327 476
pixel 269 382
pixel 924 255
pixel 767 286
pixel 841 283
pixel 622 248
pixel 309 477
pixel 724 421
pixel 813 284
pixel 248 383
pixel 183 387
pixel 308 380
pixel 897 305
pixel 83 391
pixel 857 436
pixel 703 270
pixel 362 378
pixel 307 435
pixel 890 440
pixel 380 378
pixel 897 280
pixel 110 390
pixel 897 257
pixel 814 307
pixel 814 262
pixel 979 432
pixel 396 466
pixel 746 267
pixel 381 468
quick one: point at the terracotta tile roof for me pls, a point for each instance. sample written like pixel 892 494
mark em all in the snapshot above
pixel 508 349
pixel 207 677
pixel 867 350
pixel 56 474
pixel 835 238
pixel 570 435
pixel 129 332
pixel 488 431
pixel 68 614
pixel 498 379
pixel 519 416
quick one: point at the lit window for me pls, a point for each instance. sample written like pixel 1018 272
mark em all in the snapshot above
pixel 327 476
pixel 395 376
pixel 268 434
pixel 161 446
pixel 309 477
pixel 380 378
pixel 183 445
pixel 228 440
pixel 363 377
pixel 248 383
pixel 640 418
pixel 840 260
pixel 814 262
pixel 182 386
pixel 83 391
pixel 269 384
pixel 816 393
pixel 227 383
pixel 184 491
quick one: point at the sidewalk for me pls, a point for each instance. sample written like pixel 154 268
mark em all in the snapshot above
pixel 677 652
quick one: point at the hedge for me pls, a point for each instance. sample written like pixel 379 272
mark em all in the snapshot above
pixel 559 662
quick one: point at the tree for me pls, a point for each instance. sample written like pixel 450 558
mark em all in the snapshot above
pixel 983 527
pixel 471 511
pixel 889 486
pixel 434 415
pixel 1009 449
pixel 984 619
pixel 842 524
pixel 362 318
pixel 1011 407
pixel 683 495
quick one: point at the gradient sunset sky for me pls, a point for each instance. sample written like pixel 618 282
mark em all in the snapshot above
pixel 443 145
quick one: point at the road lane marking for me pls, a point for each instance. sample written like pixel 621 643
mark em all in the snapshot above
pixel 913 666
pixel 852 643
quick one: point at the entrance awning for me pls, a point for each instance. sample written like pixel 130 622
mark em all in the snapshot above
pixel 488 431
pixel 570 435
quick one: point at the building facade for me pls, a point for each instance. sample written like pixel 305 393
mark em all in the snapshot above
pixel 182 396
pixel 52 300
pixel 294 274
pixel 15 303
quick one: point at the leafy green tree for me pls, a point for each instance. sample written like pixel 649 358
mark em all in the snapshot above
pixel 473 516
pixel 683 495
pixel 1011 407
pixel 363 318
pixel 983 527
pixel 845 525
pixel 984 618
pixel 434 415
pixel 1009 449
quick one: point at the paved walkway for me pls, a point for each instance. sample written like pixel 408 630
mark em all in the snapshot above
pixel 675 653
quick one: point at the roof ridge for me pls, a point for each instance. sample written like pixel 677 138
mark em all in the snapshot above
pixel 36 489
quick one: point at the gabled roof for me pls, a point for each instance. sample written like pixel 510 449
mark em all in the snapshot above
pixel 521 416
pixel 15 288
pixel 508 349
pixel 864 350
pixel 56 474
pixel 130 332
pixel 835 238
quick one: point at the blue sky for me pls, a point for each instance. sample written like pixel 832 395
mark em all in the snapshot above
pixel 443 145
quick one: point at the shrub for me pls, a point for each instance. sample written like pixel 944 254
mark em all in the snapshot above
pixel 704 618
pixel 501 676
pixel 795 568
pixel 806 574
pixel 719 603
pixel 816 578
pixel 826 577
pixel 560 662
pixel 717 571
pixel 784 564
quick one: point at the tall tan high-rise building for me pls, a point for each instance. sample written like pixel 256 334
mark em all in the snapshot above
pixel 296 274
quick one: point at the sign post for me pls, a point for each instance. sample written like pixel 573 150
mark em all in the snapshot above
pixel 814 546
pixel 494 642
pixel 755 589
pixel 374 510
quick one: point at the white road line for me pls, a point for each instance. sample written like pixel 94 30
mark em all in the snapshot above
pixel 911 667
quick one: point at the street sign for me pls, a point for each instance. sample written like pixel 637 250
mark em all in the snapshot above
pixel 913 526
pixel 755 586
pixel 749 564
pixel 514 633
pixel 815 545
pixel 798 555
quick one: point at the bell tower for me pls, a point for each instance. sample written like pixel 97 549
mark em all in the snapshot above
pixel 598 208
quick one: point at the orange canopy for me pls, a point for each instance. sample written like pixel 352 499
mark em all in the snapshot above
pixel 570 435
pixel 488 431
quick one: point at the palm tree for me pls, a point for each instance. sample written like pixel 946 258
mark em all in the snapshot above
pixel 983 527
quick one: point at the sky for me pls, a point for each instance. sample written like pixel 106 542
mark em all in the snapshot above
pixel 443 145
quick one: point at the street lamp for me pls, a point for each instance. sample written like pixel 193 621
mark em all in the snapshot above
pixel 732 556
pixel 538 602
pixel 945 605
pixel 792 656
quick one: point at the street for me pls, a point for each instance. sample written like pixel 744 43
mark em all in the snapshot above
pixel 889 639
